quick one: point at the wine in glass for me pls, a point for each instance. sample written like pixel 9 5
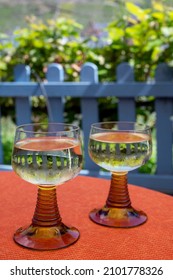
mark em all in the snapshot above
pixel 47 155
pixel 119 147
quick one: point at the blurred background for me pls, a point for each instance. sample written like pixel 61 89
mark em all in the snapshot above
pixel 72 32
pixel 97 12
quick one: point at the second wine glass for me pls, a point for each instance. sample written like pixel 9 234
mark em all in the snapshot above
pixel 119 147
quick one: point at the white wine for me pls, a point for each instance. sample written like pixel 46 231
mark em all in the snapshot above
pixel 120 151
pixel 48 160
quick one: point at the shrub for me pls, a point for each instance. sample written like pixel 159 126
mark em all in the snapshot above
pixel 142 37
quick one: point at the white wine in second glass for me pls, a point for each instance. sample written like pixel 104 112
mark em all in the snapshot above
pixel 119 147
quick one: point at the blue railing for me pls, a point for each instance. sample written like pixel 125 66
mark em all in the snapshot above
pixel 89 90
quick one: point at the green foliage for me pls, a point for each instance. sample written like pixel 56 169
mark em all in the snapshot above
pixel 40 43
pixel 143 37
pixel 7 134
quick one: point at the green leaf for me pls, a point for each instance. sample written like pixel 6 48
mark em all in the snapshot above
pixel 3 65
pixel 156 53
pixel 116 33
pixel 170 14
pixel 158 15
pixel 153 44
pixel 38 43
pixel 136 11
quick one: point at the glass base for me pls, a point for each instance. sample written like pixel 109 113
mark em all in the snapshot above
pixel 118 217
pixel 46 238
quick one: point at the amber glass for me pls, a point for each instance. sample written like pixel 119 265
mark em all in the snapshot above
pixel 119 147
pixel 47 155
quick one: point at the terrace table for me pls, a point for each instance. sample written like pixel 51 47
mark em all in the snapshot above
pixel 152 240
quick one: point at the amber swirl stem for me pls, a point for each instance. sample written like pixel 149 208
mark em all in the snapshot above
pixel 118 196
pixel 46 211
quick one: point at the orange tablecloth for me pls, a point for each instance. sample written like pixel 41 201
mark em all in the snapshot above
pixel 152 240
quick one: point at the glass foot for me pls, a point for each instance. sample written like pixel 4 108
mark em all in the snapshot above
pixel 46 238
pixel 118 217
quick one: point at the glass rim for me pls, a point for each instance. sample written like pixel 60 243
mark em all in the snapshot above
pixel 145 126
pixel 74 127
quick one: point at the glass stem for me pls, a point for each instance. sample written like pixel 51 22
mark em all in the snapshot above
pixel 46 211
pixel 118 196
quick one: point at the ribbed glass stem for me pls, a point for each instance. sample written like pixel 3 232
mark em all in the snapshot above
pixel 46 211
pixel 118 194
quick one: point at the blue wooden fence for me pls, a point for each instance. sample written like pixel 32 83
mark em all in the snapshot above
pixel 89 90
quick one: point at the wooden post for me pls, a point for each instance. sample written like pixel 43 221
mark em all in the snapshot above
pixel 1 147
pixel 22 104
pixel 164 111
pixel 126 106
pixel 89 110
pixel 55 105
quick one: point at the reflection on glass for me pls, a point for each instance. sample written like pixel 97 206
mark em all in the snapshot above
pixel 47 156
pixel 119 147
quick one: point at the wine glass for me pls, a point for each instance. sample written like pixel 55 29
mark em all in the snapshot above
pixel 47 155
pixel 119 147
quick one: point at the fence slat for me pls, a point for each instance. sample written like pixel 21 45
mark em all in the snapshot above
pixel 89 110
pixel 126 106
pixel 22 104
pixel 55 105
pixel 1 147
pixel 164 111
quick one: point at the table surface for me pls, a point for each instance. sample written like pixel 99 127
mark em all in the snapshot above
pixel 150 241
